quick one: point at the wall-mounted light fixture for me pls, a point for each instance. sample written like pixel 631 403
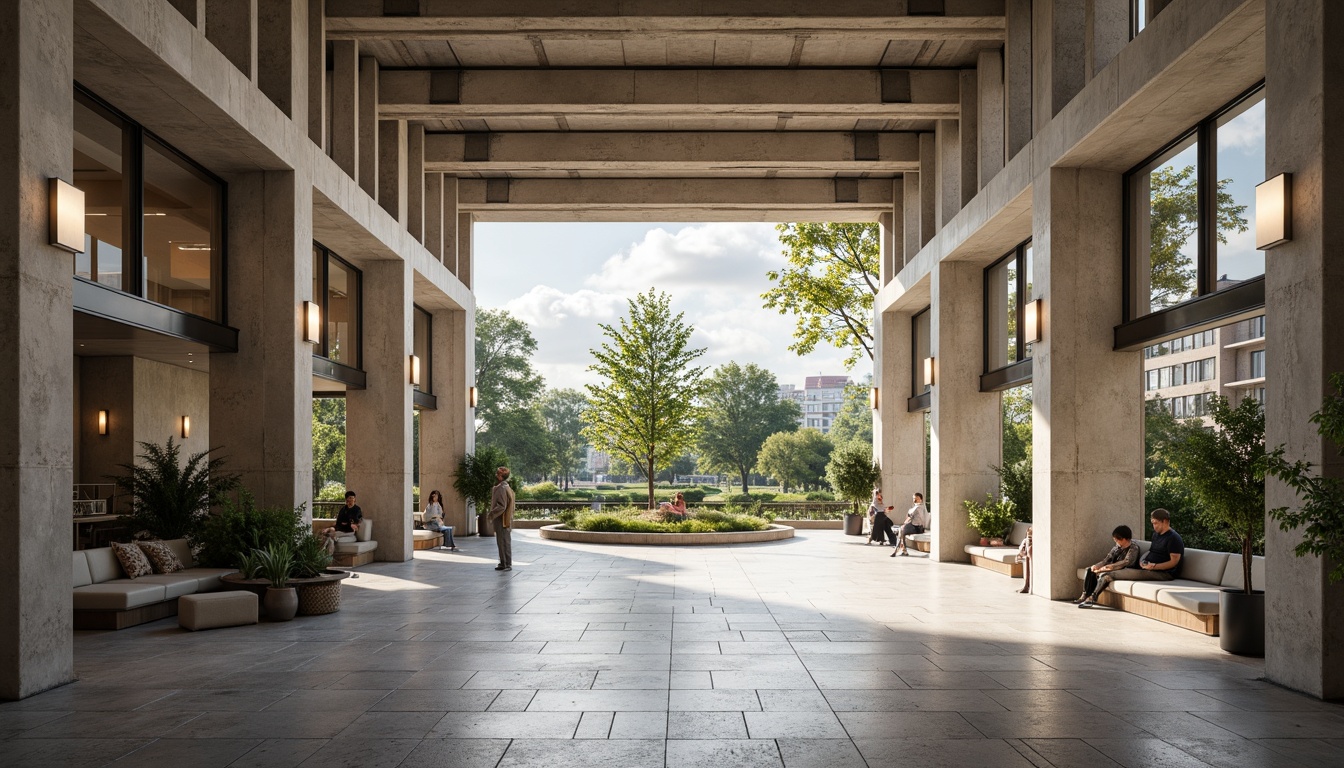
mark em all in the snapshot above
pixel 1274 211
pixel 186 427
pixel 66 215
pixel 415 371
pixel 102 422
pixel 312 322
pixel 471 397
pixel 872 398
pixel 1033 317
pixel 928 371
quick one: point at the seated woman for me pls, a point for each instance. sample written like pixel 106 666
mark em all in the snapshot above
pixel 676 507
pixel 434 520
pixel 883 529
pixel 1125 554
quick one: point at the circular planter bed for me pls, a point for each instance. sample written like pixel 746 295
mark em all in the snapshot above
pixel 317 595
pixel 561 533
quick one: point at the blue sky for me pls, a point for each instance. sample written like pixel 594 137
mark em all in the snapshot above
pixel 564 279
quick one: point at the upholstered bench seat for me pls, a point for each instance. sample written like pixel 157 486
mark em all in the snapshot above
pixel 105 599
pixel 922 542
pixel 211 610
pixel 118 595
pixel 174 584
pixel 1001 559
pixel 350 550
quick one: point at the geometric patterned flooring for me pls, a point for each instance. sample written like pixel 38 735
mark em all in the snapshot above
pixel 814 651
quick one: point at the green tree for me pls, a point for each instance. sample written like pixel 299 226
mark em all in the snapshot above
pixel 1161 430
pixel 684 464
pixel 328 442
pixel 1174 218
pixel 521 434
pixel 1321 514
pixel 741 409
pixel 562 413
pixel 797 459
pixel 1016 425
pixel 505 379
pixel 828 283
pixel 852 473
pixel 854 422
pixel 645 410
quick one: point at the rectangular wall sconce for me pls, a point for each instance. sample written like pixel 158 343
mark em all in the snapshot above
pixel 186 427
pixel 415 370
pixel 928 371
pixel 66 215
pixel 312 322
pixel 102 422
pixel 1274 211
pixel 1032 321
pixel 872 399
pixel 471 397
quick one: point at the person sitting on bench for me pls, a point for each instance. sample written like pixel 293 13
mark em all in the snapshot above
pixel 347 523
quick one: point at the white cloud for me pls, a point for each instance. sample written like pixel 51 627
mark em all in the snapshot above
pixel 547 307
pixel 709 255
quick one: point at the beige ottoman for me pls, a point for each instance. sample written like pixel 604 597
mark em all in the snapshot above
pixel 210 610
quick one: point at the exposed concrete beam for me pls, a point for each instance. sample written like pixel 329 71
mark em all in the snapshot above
pixel 894 94
pixel 669 152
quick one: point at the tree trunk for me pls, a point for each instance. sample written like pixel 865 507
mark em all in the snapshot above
pixel 650 476
pixel 744 480
pixel 1246 563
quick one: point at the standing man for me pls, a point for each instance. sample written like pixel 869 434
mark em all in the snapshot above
pixel 501 517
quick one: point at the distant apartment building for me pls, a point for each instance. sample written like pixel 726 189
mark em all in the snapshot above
pixel 1184 373
pixel 820 400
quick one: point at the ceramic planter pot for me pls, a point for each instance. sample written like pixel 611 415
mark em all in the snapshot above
pixel 281 604
pixel 1241 622
pixel 984 542
pixel 996 542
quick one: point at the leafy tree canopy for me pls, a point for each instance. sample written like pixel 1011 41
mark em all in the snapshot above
pixel 645 410
pixel 828 284
pixel 741 409
pixel 797 459
pixel 1320 516
pixel 1174 219
pixel 562 413
pixel 854 422
pixel 852 473
pixel 505 379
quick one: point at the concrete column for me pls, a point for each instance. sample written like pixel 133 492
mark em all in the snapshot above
pixel 928 188
pixel 392 150
pixel 465 255
pixel 969 128
pixel 379 417
pixel 966 422
pixel 450 222
pixel 434 214
pixel 947 140
pixel 1017 75
pixel 449 432
pixel 1304 321
pixel 1087 414
pixel 1059 67
pixel 892 226
pixel 345 106
pixel 989 122
pixel 1107 33
pixel 282 55
pixel 368 125
pixel 415 181
pixel 317 72
pixel 261 397
pixel 231 26
pixel 36 331
pixel 912 214
pixel 898 435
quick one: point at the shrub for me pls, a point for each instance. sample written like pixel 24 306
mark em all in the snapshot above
pixel 1015 485
pixel 581 493
pixel 628 521
pixel 240 526
pixel 547 491
pixel 992 519
pixel 752 497
pixel 331 492
pixel 820 496
pixel 605 487
pixel 693 495
pixel 310 557
pixel 475 477
pixel 169 499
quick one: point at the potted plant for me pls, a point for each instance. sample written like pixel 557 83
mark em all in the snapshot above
pixel 992 519
pixel 273 564
pixel 853 475
pixel 169 497
pixel 475 480
pixel 1321 515
pixel 1224 468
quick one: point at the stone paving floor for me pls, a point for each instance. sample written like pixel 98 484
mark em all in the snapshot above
pixel 817 651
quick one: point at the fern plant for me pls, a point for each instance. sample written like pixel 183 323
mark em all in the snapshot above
pixel 475 478
pixel 170 498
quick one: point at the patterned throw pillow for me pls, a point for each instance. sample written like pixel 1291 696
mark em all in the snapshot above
pixel 161 556
pixel 132 560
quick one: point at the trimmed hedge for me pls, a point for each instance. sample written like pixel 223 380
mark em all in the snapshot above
pixel 702 521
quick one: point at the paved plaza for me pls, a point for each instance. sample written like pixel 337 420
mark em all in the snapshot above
pixel 817 651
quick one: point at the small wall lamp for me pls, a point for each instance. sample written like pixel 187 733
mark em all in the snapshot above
pixel 872 399
pixel 186 427
pixel 1274 211
pixel 928 371
pixel 66 216
pixel 312 322
pixel 415 370
pixel 471 397
pixel 1034 326
pixel 102 422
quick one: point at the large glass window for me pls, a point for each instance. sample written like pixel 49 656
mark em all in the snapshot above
pixel 424 347
pixel 1007 292
pixel 336 288
pixel 1164 220
pixel 182 232
pixel 99 164
pixel 1239 166
pixel 922 331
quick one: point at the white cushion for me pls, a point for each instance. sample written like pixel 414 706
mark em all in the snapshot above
pixel 1000 554
pixel 182 549
pixel 118 595
pixel 81 574
pixel 1232 576
pixel 103 565
pixel 1149 590
pixel 1123 587
pixel 1203 566
pixel 355 547
pixel 422 535
pixel 1018 533
pixel 207 579
pixel 919 537
pixel 174 584
pixel 1202 601
pixel 365 532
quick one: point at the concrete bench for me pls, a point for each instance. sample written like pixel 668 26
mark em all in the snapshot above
pixel 1190 602
pixel 922 542
pixel 1001 559
pixel 212 610
pixel 422 539
pixel 354 550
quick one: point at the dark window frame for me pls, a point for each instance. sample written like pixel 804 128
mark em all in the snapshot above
pixel 427 364
pixel 1210 307
pixel 134 136
pixel 321 349
pixel 1019 371
pixel 918 401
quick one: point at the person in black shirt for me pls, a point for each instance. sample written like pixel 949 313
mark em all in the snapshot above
pixel 347 523
pixel 1162 562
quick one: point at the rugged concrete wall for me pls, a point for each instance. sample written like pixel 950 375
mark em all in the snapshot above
pixel 448 432
pixel 105 383
pixel 898 434
pixel 163 395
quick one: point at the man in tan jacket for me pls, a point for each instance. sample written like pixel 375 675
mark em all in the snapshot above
pixel 501 517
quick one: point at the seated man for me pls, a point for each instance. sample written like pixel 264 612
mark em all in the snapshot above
pixel 1163 560
pixel 1125 554
pixel 916 518
pixel 347 523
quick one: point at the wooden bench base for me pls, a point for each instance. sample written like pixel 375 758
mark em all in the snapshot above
pixel 921 546
pixel 428 542
pixel 1164 613
pixel 127 618
pixel 348 560
pixel 1007 569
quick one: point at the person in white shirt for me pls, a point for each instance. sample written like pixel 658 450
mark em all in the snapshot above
pixel 434 520
pixel 915 520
